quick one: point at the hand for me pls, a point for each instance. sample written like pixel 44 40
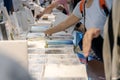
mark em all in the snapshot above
pixel 47 33
pixel 60 7
pixel 82 28
pixel 87 40
pixel 39 15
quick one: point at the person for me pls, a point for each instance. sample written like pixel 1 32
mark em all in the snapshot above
pixel 76 16
pixel 95 18
pixel 111 46
pixel 11 70
pixel 54 4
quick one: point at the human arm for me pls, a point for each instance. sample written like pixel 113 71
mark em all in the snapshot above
pixel 48 9
pixel 72 19
pixel 87 40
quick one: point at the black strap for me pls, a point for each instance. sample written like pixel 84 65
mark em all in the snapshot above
pixel 84 14
pixel 118 40
pixel 110 32
pixel 105 10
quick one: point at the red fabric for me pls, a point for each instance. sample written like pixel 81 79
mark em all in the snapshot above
pixel 82 5
pixel 102 3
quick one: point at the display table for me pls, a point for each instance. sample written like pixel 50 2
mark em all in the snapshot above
pixel 55 59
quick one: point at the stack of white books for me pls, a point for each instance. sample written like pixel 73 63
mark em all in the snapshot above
pixel 37 65
pixel 36 44
pixel 39 28
pixel 35 36
pixel 65 59
pixel 61 50
pixel 65 72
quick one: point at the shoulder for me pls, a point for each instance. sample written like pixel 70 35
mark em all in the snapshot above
pixel 76 11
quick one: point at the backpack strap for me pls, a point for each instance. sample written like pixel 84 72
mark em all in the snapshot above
pixel 82 9
pixel 82 6
pixel 102 5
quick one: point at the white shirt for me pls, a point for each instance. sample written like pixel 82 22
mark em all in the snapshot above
pixel 95 16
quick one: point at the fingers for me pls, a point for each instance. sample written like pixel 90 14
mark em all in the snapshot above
pixel 47 33
pixel 39 16
pixel 96 33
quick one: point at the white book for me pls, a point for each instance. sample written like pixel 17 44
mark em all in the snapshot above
pixel 36 44
pixel 61 50
pixel 35 35
pixel 23 21
pixel 65 59
pixel 65 72
pixel 39 28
